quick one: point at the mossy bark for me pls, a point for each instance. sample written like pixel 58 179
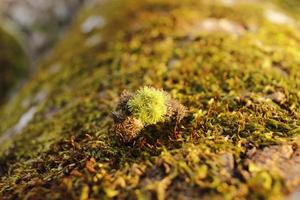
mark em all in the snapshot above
pixel 234 66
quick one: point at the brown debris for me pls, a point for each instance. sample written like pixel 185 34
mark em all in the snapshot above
pixel 76 173
pixel 90 165
pixel 176 111
pixel 128 129
pixel 124 98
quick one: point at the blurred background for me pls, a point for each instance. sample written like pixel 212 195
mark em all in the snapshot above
pixel 28 30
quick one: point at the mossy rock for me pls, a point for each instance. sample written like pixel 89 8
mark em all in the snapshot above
pixel 234 67
pixel 13 63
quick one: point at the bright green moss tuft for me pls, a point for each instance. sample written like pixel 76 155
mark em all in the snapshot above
pixel 149 105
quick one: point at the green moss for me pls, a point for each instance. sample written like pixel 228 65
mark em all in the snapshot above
pixel 241 91
pixel 149 105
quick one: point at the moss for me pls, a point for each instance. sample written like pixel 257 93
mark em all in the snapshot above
pixel 149 105
pixel 241 91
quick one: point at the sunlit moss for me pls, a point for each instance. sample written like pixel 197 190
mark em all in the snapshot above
pixel 149 105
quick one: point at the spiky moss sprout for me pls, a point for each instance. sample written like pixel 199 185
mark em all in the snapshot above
pixel 146 107
pixel 149 105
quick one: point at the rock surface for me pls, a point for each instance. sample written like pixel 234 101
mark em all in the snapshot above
pixel 283 159
pixel 235 70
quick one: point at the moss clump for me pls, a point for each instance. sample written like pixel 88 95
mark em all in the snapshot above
pixel 149 105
